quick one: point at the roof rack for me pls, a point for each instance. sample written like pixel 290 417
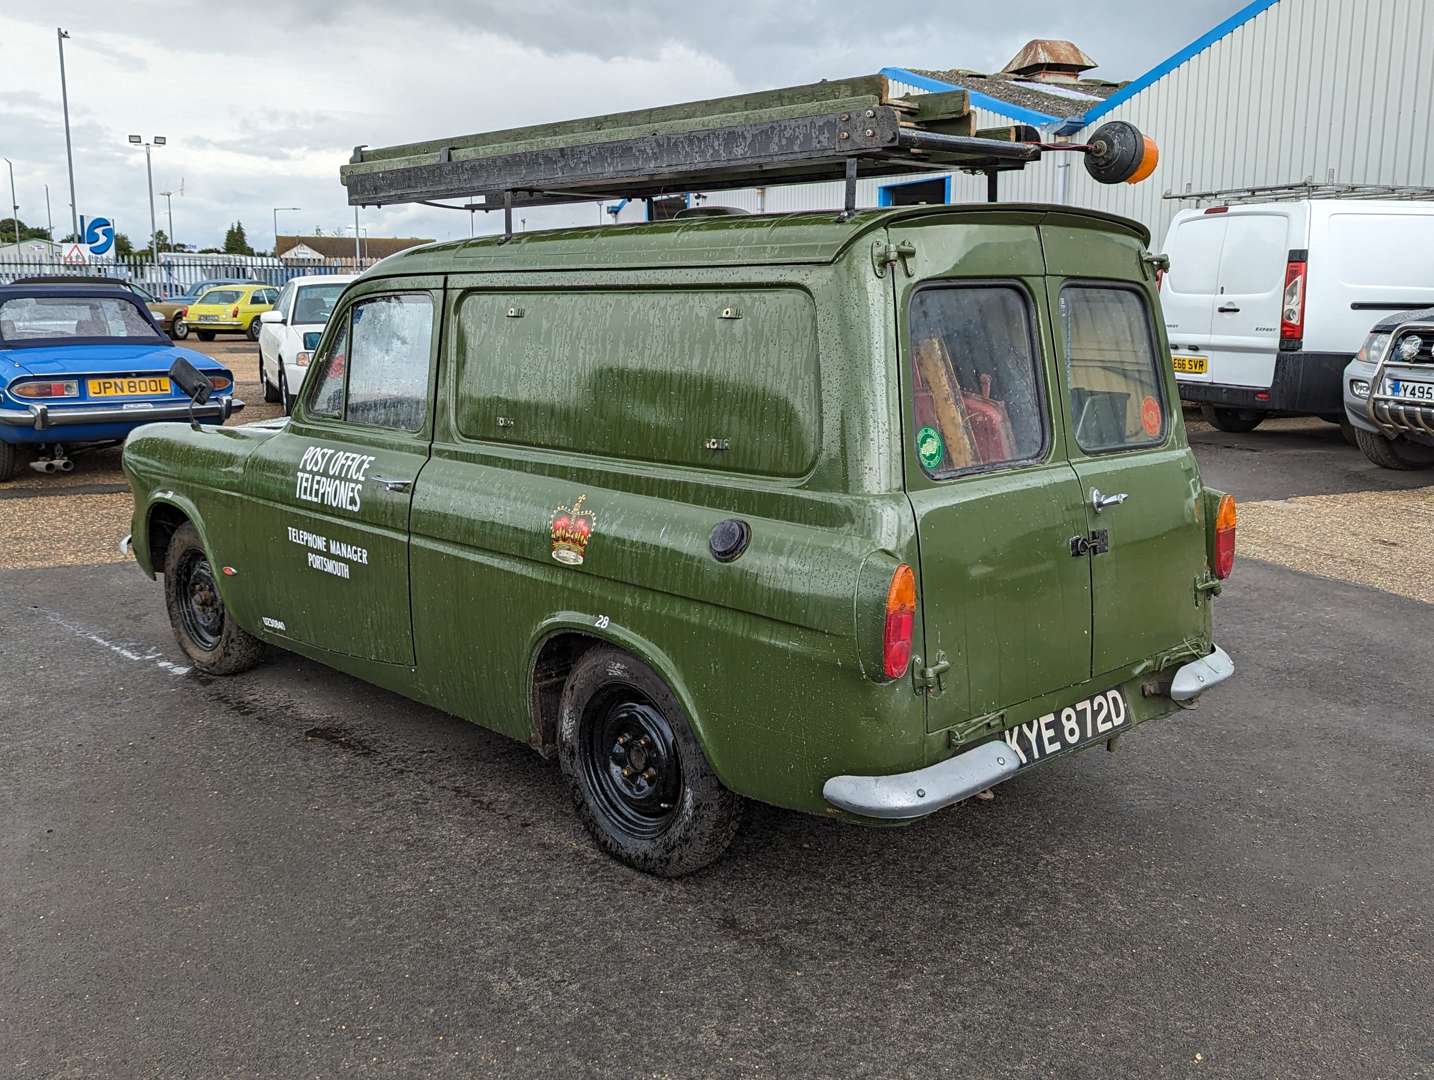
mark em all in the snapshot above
pixel 1308 188
pixel 838 130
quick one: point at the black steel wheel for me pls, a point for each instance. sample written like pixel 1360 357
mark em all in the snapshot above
pixel 179 329
pixel 200 609
pixel 209 637
pixel 637 773
pixel 631 765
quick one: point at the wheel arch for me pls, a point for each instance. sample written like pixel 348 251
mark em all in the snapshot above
pixel 561 640
pixel 163 517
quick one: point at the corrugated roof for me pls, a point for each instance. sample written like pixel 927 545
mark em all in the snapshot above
pixel 1053 103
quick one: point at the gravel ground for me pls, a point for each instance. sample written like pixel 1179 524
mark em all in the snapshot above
pixel 69 519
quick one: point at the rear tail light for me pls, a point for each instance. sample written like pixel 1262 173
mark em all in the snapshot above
pixel 900 621
pixel 182 313
pixel 1217 209
pixel 1225 537
pixel 235 313
pixel 38 389
pixel 220 382
pixel 1292 303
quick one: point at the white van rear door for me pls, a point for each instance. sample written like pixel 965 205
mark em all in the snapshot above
pixel 1245 332
pixel 1187 294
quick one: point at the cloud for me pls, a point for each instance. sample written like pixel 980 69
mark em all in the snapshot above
pixel 261 111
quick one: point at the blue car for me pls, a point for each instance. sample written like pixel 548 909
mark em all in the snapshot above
pixel 84 365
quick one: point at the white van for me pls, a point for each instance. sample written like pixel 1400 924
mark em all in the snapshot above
pixel 1265 303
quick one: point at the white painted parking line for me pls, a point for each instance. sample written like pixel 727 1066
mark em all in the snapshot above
pixel 127 649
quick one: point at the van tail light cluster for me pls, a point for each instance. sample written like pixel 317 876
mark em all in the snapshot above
pixel 1225 537
pixel 900 622
pixel 1292 301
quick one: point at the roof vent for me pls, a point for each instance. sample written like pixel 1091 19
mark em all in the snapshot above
pixel 1049 60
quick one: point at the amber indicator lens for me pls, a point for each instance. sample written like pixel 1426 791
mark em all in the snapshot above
pixel 1225 537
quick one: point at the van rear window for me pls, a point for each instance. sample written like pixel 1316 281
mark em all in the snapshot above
pixel 975 379
pixel 718 379
pixel 1115 397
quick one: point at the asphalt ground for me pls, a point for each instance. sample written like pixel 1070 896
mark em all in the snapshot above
pixel 290 873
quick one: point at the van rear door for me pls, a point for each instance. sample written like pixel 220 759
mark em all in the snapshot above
pixel 1189 290
pixel 1245 332
pixel 996 502
pixel 1139 481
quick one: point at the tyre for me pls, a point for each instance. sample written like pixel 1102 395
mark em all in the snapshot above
pixel 179 329
pixel 639 780
pixel 253 330
pixel 1347 432
pixel 1236 421
pixel 271 392
pixel 206 633
pixel 1394 453
pixel 204 335
pixel 9 460
pixel 284 395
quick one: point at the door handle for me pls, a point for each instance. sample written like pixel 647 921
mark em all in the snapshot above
pixel 1228 309
pixel 390 484
pixel 1099 502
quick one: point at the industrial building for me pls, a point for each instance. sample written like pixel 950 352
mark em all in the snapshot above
pixel 1325 92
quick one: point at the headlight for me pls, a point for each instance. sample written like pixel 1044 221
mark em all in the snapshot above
pixel 1374 348
pixel 1359 387
pixel 44 388
pixel 1409 346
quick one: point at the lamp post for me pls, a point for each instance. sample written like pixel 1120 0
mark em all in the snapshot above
pixel 158 140
pixel 169 209
pixel 49 221
pixel 14 207
pixel 276 225
pixel 60 36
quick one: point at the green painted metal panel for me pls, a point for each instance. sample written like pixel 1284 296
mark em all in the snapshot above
pixel 677 377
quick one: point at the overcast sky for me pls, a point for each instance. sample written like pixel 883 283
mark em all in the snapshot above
pixel 261 103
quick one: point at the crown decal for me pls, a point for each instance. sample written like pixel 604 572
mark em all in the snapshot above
pixel 571 527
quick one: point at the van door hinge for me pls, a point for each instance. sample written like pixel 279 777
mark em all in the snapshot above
pixel 927 680
pixel 884 255
pixel 1207 584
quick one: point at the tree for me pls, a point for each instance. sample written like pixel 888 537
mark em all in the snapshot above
pixel 161 241
pixel 27 232
pixel 123 248
pixel 235 242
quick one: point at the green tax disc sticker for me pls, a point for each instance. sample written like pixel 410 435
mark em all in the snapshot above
pixel 929 447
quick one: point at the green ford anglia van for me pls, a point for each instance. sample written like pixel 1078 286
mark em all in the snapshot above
pixel 858 516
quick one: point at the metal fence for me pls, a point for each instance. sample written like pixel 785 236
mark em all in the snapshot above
pixel 176 273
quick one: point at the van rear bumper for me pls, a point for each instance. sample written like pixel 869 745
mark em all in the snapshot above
pixel 909 795
pixel 1304 382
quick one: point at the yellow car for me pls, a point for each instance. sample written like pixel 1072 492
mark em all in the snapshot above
pixel 231 309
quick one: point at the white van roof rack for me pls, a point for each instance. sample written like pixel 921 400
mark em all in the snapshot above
pixel 837 130
pixel 1305 189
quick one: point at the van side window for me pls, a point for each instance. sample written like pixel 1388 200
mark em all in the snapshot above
pixel 1111 368
pixel 975 379
pixel 375 371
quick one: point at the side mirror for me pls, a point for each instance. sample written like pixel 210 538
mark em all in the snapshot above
pixel 195 384
pixel 271 316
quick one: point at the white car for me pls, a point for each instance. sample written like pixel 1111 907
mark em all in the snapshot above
pixel 290 332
